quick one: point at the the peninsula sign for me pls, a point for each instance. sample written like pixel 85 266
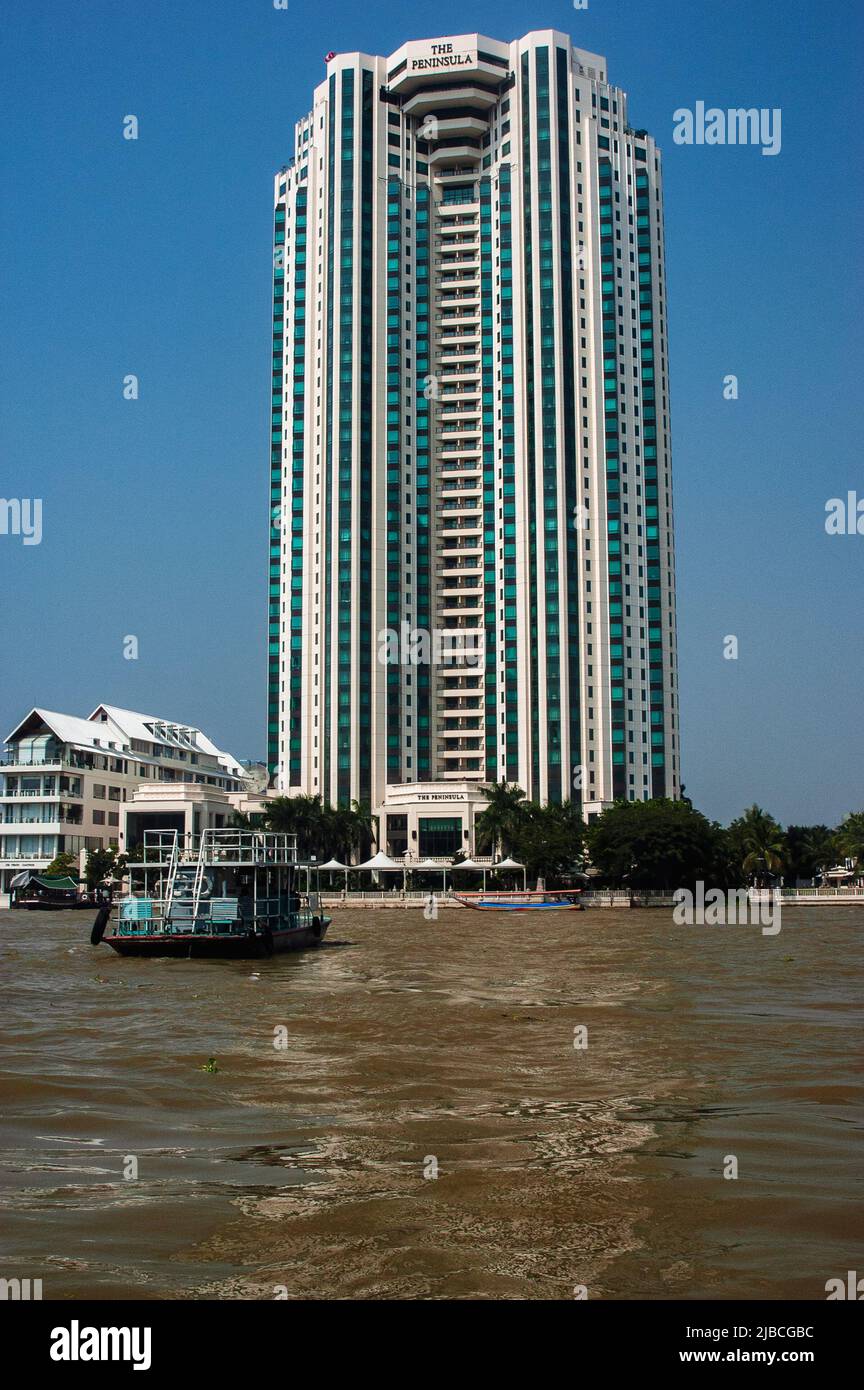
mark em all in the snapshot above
pixel 434 56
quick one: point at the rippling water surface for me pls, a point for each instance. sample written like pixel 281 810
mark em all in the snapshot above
pixel 414 1044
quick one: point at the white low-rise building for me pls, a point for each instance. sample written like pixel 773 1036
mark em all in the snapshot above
pixel 64 780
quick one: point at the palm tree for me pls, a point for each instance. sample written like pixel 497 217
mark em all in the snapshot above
pixel 850 837
pixel 763 844
pixel 809 850
pixel 281 815
pixel 365 826
pixel 302 816
pixel 336 832
pixel 501 819
pixel 254 820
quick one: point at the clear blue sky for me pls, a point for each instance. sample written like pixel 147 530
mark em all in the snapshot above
pixel 153 257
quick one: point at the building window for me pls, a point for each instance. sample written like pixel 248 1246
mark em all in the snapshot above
pixel 440 836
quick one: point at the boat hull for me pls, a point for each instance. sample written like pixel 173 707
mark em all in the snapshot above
pixel 202 946
pixel 45 907
pixel 524 907
pixel 481 904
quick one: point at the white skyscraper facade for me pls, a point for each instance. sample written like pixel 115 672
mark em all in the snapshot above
pixel 471 546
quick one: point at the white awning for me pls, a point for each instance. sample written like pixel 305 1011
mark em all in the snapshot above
pixel 380 861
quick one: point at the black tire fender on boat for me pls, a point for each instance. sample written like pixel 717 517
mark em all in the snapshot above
pixel 267 939
pixel 103 917
pixel 316 927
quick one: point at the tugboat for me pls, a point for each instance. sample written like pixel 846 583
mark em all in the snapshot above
pixel 234 894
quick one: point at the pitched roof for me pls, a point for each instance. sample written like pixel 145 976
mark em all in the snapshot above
pixel 143 726
pixel 68 728
pixel 122 726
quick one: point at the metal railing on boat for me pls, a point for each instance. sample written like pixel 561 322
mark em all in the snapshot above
pixel 218 845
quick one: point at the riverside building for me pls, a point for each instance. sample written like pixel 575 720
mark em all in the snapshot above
pixel 471 546
pixel 65 782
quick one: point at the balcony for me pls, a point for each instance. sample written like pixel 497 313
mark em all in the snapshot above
pixel 446 451
pixel 457 171
pixel 456 606
pixel 455 304
pixel 463 624
pixel 469 149
pixel 50 826
pixel 448 353
pixel 17 860
pixel 53 764
pixel 449 597
pixel 452 529
pixel 425 97
pixel 457 198
pixel 459 684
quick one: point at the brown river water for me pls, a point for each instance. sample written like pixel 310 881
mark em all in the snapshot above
pixel 298 1170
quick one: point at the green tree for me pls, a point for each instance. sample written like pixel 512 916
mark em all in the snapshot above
pixel 302 816
pixel 549 841
pixel 755 847
pixel 808 849
pixel 849 840
pixel 63 866
pixel 498 824
pixel 654 844
pixel 365 827
pixel 102 864
pixel 248 820
pixel 322 830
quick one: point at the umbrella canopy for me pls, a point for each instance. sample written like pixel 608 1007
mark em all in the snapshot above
pixel 381 861
pixel 334 864
pixel 466 864
pixel 430 864
pixel 508 864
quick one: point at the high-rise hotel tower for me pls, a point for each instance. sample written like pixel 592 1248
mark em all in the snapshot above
pixel 471 548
